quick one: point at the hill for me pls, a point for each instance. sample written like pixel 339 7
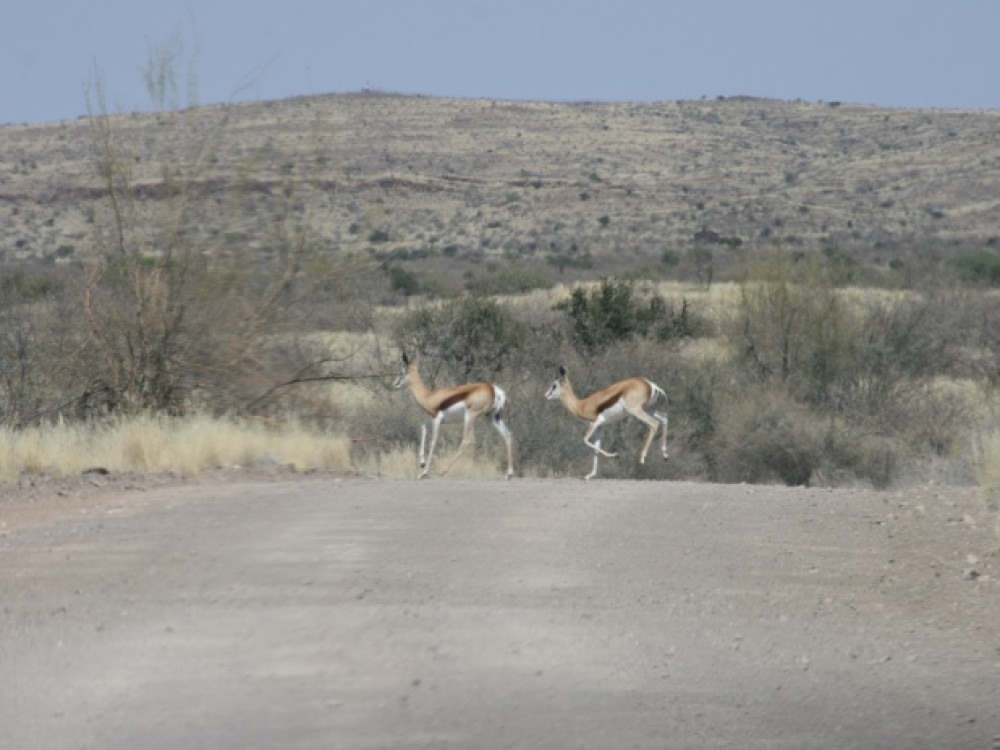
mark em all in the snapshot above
pixel 469 186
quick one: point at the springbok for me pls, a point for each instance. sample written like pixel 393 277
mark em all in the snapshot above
pixel 469 402
pixel 635 396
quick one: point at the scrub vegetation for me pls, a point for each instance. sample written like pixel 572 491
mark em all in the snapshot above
pixel 233 285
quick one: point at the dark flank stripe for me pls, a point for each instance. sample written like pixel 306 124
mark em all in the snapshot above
pixel 451 401
pixel 461 396
pixel 605 405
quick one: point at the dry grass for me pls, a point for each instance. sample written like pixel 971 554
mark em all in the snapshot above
pixel 189 446
pixel 987 461
pixel 196 444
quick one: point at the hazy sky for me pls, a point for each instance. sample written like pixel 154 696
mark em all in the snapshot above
pixel 899 53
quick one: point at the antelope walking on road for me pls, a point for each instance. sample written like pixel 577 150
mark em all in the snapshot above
pixel 468 402
pixel 635 396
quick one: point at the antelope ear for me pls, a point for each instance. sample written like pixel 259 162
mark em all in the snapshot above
pixel 562 371
pixel 406 360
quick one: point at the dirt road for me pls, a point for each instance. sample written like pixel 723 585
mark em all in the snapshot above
pixel 360 613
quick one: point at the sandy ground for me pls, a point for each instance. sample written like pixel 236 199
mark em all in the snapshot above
pixel 342 612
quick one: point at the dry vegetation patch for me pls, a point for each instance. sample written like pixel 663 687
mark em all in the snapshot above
pixel 190 446
pixel 779 267
pixel 458 184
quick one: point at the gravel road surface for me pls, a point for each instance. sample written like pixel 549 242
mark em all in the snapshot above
pixel 341 612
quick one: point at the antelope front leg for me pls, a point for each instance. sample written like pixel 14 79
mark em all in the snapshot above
pixel 649 441
pixel 593 471
pixel 502 428
pixel 423 439
pixel 665 421
pixel 596 445
pixel 435 427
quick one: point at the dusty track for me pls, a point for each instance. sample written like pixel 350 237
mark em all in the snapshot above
pixel 356 613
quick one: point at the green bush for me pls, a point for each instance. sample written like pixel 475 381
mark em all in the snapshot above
pixel 980 267
pixel 403 281
pixel 670 258
pixel 614 312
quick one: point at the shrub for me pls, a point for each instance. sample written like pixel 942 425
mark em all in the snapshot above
pixel 980 267
pixel 767 438
pixel 793 328
pixel 852 455
pixel 470 336
pixel 563 261
pixel 21 286
pixel 168 316
pixel 613 312
pixel 512 280
pixel 670 258
pixel 30 333
pixel 403 281
pixel 762 435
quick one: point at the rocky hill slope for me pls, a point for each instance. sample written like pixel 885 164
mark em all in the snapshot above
pixel 566 185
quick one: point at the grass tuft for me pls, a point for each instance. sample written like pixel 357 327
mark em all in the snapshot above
pixel 987 461
pixel 188 446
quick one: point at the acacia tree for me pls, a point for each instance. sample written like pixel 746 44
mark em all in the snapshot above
pixel 172 314
pixel 792 325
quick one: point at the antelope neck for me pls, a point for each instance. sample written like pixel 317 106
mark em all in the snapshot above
pixel 418 388
pixel 569 398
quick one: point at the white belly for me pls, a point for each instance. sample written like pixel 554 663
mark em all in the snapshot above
pixel 454 413
pixel 611 414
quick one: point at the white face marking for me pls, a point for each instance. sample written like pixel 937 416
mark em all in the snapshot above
pixel 554 391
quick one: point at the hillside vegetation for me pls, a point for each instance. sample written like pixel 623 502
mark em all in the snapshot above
pixel 811 282
pixel 567 186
